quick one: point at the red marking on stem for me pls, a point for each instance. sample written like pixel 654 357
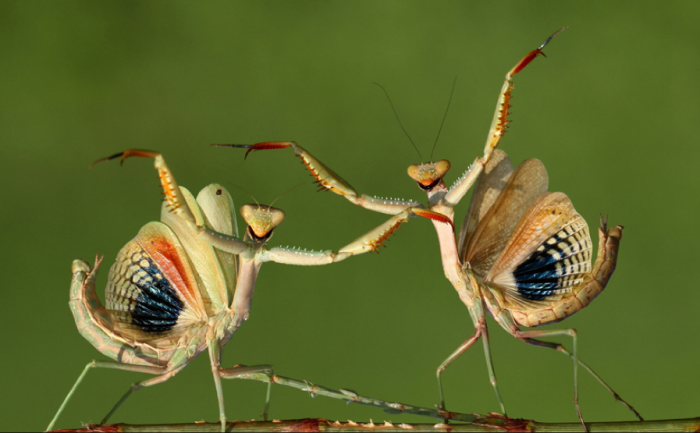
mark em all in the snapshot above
pixel 305 425
pixel 96 428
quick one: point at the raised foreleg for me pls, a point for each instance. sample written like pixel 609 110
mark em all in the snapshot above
pixel 499 125
pixel 329 180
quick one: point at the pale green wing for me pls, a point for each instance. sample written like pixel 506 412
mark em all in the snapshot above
pixel 204 259
pixel 491 234
pixel 220 215
pixel 152 292
pixel 548 254
pixel 487 189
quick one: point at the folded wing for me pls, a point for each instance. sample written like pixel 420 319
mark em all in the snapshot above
pixel 481 249
pixel 487 189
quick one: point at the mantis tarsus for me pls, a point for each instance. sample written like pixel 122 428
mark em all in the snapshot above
pixel 185 284
pixel 525 266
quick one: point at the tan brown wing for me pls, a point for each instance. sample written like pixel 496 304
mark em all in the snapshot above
pixel 487 189
pixel 548 254
pixel 152 293
pixel 493 231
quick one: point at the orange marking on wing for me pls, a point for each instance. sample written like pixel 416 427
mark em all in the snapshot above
pixel 384 236
pixel 436 216
pixel 266 146
pixel 173 265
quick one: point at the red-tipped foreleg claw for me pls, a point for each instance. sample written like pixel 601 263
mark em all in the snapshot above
pixel 435 216
pixel 259 146
pixel 128 153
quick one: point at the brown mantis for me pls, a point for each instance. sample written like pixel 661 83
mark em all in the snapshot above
pixel 522 254
pixel 185 284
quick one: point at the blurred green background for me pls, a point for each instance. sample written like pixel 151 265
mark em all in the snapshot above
pixel 612 112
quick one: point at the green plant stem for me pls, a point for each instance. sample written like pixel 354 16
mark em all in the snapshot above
pixel 322 425
pixel 473 422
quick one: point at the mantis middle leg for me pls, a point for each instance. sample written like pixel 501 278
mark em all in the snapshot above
pixel 477 313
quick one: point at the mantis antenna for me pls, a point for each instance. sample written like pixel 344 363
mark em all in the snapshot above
pixel 249 194
pixel 273 201
pixel 454 83
pixel 285 193
pixel 399 120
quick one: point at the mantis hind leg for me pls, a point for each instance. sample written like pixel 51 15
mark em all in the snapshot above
pixel 560 348
pixel 107 364
pixel 528 335
pixel 138 385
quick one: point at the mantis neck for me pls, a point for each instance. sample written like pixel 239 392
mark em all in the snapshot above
pixel 436 195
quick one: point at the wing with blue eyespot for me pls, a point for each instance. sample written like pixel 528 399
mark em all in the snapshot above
pixel 548 254
pixel 152 292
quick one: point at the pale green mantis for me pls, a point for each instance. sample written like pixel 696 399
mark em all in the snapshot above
pixel 522 254
pixel 185 284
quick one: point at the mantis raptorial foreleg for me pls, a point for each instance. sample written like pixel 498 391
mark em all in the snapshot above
pixel 329 180
pixel 499 125
pixel 173 195
pixel 370 241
